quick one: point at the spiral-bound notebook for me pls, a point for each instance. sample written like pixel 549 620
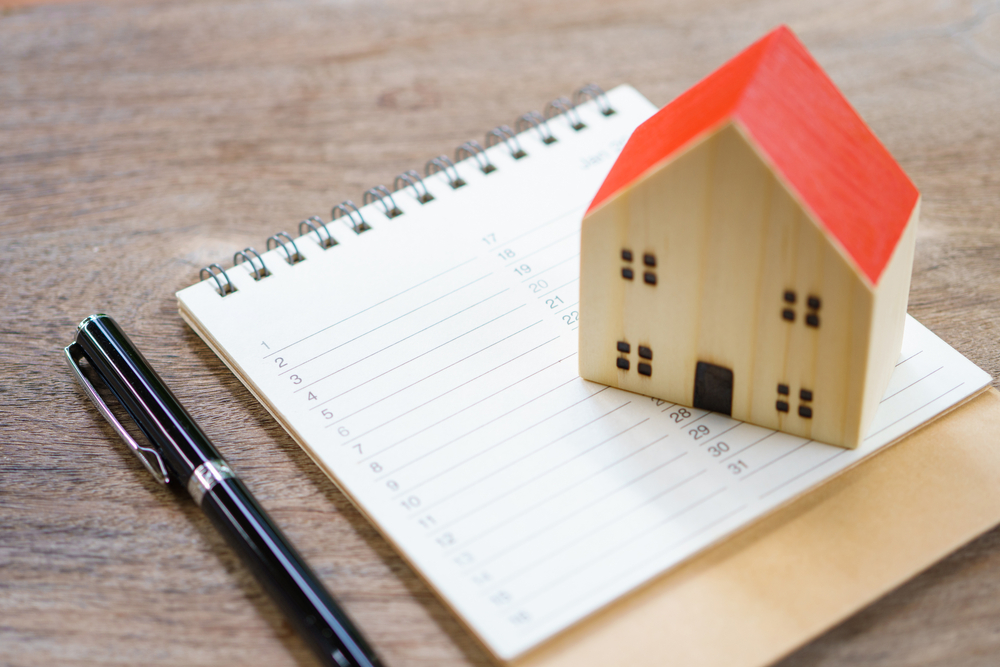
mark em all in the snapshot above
pixel 422 349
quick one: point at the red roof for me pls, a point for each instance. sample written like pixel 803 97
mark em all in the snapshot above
pixel 804 127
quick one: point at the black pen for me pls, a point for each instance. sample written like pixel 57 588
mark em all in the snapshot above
pixel 181 451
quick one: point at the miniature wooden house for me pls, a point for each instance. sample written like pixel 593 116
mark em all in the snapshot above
pixel 750 252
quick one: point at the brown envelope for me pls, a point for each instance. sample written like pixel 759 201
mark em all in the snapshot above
pixel 810 564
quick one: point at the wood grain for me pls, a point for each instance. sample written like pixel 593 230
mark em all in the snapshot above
pixel 142 140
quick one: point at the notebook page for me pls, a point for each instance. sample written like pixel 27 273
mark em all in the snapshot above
pixel 429 367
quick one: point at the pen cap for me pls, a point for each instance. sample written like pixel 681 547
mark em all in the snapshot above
pixel 145 396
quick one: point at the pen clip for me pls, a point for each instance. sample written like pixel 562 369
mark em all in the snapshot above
pixel 144 454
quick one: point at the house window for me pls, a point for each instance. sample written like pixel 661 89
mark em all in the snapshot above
pixel 812 304
pixel 812 318
pixel 788 314
pixel 645 352
pixel 806 396
pixel 781 405
pixel 627 272
pixel 623 348
pixel 649 277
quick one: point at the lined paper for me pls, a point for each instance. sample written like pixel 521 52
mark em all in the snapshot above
pixel 429 366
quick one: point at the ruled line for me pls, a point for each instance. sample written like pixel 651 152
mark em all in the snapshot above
pixel 465 544
pixel 565 545
pixel 337 347
pixel 908 414
pixel 617 547
pixel 467 433
pixel 455 414
pixel 457 266
pixel 560 312
pixel 698 532
pixel 898 364
pixel 615 582
pixel 521 258
pixel 540 296
pixel 752 444
pixel 719 435
pixel 534 276
pixel 456 388
pixel 541 226
pixel 886 398
pixel 552 469
pixel 517 434
pixel 694 420
pixel 398 366
pixel 440 370
pixel 501 469
pixel 775 460
pixel 804 472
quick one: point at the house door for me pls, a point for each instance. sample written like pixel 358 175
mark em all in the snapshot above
pixel 713 388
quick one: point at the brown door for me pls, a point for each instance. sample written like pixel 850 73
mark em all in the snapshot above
pixel 713 388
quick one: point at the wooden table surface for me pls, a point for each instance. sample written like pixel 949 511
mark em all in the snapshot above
pixel 140 141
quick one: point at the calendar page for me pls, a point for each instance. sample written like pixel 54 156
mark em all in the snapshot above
pixel 428 365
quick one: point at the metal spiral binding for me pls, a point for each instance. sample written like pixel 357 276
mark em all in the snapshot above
pixel 474 150
pixel 537 121
pixel 562 105
pixel 311 223
pixel 262 272
pixel 442 163
pixel 381 193
pixel 412 180
pixel 290 257
pixel 358 225
pixel 214 271
pixel 596 93
pixel 508 137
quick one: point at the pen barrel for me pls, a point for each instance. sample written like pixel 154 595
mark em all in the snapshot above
pixel 285 576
